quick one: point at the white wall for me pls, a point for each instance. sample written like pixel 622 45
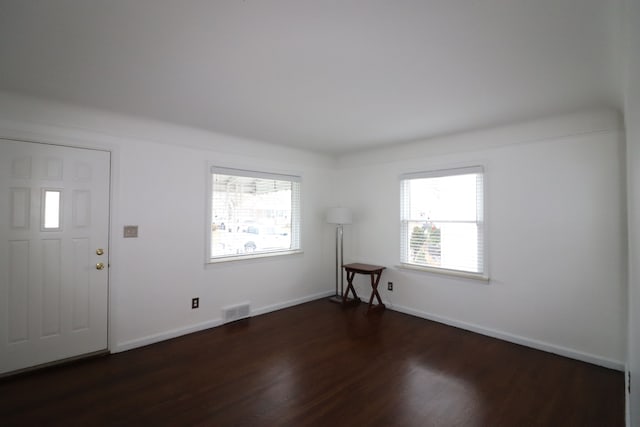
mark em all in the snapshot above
pixel 159 176
pixel 632 121
pixel 557 233
pixel 556 211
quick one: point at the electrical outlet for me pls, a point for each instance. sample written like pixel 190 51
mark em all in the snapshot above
pixel 195 303
pixel 390 286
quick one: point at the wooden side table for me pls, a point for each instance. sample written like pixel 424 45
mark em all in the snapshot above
pixel 374 271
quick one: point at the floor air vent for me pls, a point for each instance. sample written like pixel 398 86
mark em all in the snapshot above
pixel 236 312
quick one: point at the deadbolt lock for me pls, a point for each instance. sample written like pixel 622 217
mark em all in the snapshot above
pixel 99 251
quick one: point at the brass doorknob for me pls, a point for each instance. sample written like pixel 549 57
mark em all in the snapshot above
pixel 100 266
pixel 99 251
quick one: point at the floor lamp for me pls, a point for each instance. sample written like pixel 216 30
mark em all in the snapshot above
pixel 340 217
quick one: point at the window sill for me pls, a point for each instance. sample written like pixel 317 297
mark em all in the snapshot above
pixel 443 271
pixel 234 258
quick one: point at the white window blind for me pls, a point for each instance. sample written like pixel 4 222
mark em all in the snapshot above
pixel 253 213
pixel 442 220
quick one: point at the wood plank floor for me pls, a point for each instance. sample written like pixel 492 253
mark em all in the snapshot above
pixel 320 365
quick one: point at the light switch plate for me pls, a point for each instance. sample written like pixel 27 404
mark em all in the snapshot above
pixel 130 231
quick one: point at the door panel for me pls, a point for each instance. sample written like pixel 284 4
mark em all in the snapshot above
pixel 54 216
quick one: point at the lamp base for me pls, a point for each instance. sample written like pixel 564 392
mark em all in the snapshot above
pixel 349 302
pixel 336 298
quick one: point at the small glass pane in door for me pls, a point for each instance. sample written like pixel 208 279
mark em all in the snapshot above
pixel 51 208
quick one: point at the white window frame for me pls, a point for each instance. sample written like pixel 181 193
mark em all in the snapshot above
pixel 296 213
pixel 481 221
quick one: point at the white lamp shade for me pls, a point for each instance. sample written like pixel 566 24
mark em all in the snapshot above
pixel 339 216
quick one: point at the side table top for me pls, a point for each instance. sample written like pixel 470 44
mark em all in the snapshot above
pixel 363 268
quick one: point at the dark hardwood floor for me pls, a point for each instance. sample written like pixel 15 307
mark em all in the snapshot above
pixel 320 365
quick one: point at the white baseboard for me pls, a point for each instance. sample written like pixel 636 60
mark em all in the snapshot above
pixel 291 303
pixel 516 339
pixel 166 335
pixel 174 333
pixel 539 345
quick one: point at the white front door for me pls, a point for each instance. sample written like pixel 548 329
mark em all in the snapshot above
pixel 54 236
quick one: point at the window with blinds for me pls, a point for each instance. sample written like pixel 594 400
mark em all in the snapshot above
pixel 253 214
pixel 442 221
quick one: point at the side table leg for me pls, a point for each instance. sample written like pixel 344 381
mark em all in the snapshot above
pixel 345 297
pixel 375 281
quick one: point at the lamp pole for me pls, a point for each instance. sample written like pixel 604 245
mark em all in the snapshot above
pixel 339 216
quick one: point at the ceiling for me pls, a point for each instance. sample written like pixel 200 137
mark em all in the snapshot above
pixel 331 76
